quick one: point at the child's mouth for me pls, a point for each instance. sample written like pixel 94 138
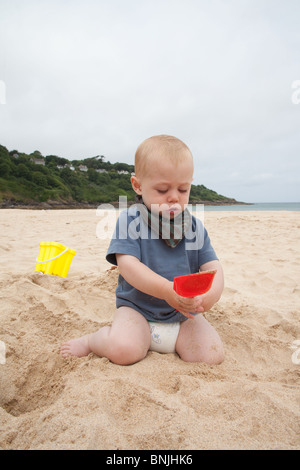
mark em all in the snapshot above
pixel 170 212
pixel 173 211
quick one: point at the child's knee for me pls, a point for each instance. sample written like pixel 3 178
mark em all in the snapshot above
pixel 213 354
pixel 126 353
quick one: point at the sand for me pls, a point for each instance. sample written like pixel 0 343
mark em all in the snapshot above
pixel 250 401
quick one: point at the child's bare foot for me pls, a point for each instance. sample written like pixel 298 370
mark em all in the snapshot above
pixel 76 347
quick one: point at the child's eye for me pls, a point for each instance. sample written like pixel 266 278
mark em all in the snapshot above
pixel 162 191
pixel 183 190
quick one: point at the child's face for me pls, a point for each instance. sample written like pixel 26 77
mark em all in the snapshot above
pixel 166 185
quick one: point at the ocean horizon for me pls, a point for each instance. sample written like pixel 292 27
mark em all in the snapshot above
pixel 257 206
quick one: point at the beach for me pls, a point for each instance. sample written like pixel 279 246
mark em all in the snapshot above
pixel 250 401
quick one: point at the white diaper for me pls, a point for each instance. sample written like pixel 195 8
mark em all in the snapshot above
pixel 163 336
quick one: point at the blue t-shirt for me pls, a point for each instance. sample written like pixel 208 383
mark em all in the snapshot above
pixel 132 236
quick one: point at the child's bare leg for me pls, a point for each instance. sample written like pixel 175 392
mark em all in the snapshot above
pixel 84 345
pixel 198 341
pixel 126 341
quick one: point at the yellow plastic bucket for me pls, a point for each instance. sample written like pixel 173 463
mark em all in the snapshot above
pixel 54 258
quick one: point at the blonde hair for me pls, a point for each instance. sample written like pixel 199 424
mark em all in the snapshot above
pixel 157 147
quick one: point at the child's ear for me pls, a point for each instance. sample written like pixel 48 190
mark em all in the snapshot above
pixel 136 185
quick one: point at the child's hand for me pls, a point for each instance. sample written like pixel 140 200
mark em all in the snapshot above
pixel 188 305
pixel 184 305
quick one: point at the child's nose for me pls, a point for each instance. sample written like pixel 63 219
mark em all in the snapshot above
pixel 173 196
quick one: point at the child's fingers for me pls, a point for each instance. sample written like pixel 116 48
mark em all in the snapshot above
pixel 188 315
pixel 186 301
pixel 191 304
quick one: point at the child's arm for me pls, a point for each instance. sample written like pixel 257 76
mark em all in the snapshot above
pixel 208 299
pixel 144 279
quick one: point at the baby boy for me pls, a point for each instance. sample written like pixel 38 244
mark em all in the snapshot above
pixel 154 241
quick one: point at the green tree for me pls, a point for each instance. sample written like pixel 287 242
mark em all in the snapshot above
pixel 4 169
pixel 4 153
pixel 92 175
pixel 39 179
pixel 66 175
pixel 22 171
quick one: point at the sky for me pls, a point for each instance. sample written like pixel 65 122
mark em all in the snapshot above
pixel 80 78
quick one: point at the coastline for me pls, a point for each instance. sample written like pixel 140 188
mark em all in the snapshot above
pixel 55 205
pixel 208 206
pixel 58 205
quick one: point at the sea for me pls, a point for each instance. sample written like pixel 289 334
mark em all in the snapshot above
pixel 258 206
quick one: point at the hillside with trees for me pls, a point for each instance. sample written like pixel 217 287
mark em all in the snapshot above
pixel 52 181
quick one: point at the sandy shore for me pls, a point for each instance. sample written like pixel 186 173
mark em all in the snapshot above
pixel 251 401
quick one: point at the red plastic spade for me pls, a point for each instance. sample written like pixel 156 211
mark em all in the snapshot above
pixel 194 284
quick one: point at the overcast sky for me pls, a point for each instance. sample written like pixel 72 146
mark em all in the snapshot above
pixel 81 78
